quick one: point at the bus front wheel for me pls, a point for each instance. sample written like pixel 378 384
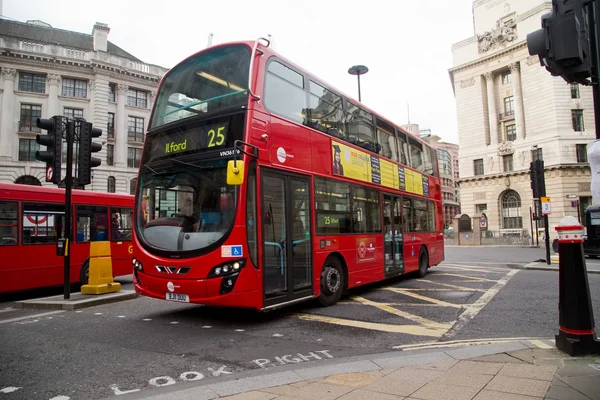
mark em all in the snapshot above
pixel 423 262
pixel 84 273
pixel 332 282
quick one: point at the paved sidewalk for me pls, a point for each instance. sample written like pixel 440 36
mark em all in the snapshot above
pixel 504 371
pixel 542 266
pixel 77 300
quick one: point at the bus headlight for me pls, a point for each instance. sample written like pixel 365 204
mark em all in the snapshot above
pixel 227 268
pixel 137 265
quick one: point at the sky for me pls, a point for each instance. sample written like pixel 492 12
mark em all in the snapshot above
pixel 407 45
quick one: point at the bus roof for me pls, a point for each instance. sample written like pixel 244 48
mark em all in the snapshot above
pixel 270 52
pixel 27 191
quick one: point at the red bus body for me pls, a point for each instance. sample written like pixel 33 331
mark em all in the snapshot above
pixel 298 160
pixel 31 221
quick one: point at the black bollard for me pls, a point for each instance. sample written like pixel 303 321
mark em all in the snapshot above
pixel 576 335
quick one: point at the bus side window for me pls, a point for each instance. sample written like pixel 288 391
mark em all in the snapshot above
pixel 120 223
pixel 43 223
pixel 9 223
pixel 92 223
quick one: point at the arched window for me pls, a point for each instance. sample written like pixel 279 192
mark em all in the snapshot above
pixel 111 185
pixel 511 210
pixel 28 180
pixel 132 184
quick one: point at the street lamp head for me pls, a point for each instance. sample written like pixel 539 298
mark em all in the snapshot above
pixel 358 70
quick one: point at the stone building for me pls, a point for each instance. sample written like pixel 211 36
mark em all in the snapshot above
pixel 47 71
pixel 511 111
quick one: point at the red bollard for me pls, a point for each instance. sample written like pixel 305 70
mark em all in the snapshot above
pixel 576 335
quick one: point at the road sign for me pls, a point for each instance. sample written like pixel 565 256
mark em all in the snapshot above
pixel 571 196
pixel 49 173
pixel 546 209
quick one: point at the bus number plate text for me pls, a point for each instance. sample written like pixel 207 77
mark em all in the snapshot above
pixel 183 298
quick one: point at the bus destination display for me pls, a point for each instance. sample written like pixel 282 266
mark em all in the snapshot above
pixel 198 138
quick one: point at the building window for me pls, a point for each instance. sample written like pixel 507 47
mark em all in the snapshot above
pixel 27 149
pixel 132 185
pixel 137 98
pixel 511 132
pixel 32 82
pixel 73 113
pixel 112 91
pixel 574 91
pixel 110 126
pixel 507 161
pixel 577 118
pixel 506 77
pixel 111 185
pixel 478 166
pixel 135 129
pixel 110 154
pixel 581 150
pixel 480 208
pixel 509 105
pixel 134 156
pixel 74 88
pixel 511 210
pixel 536 154
pixel 28 119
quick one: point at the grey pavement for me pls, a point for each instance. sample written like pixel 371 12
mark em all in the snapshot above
pixel 508 370
pixel 76 300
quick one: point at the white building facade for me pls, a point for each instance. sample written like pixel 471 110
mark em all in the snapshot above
pixel 511 111
pixel 45 72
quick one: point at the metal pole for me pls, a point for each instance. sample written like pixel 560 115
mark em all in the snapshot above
pixel 578 211
pixel 358 76
pixel 537 234
pixel 594 32
pixel 68 186
pixel 547 234
pixel 531 224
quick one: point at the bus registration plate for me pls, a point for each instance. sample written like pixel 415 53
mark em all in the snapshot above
pixel 183 298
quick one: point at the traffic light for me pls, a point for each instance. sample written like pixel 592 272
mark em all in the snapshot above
pixel 538 182
pixel 86 147
pixel 53 142
pixel 563 43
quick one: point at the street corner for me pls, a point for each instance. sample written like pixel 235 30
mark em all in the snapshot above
pixel 76 301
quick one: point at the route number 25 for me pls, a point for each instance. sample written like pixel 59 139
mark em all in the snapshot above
pixel 220 137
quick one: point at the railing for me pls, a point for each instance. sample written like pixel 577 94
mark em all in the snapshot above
pixel 506 115
pixel 28 125
pixel 495 238
pixel 72 53
pixel 138 66
pixel 33 47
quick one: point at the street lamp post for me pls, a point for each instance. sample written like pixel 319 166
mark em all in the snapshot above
pixel 358 70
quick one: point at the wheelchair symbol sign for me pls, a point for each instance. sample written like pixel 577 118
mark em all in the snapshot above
pixel 232 251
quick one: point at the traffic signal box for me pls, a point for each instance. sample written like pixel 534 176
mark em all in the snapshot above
pixel 53 142
pixel 86 147
pixel 536 175
pixel 563 43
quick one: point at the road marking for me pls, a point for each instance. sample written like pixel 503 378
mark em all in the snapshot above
pixel 460 288
pixel 415 330
pixel 540 344
pixel 98 313
pixel 10 389
pixel 421 297
pixel 207 327
pixel 8 309
pixel 415 318
pixel 277 335
pixel 473 309
pixel 471 342
pixel 6 321
pixel 469 277
pixel 120 316
pixel 483 270
pixel 147 319
pixel 173 322
pixel 239 330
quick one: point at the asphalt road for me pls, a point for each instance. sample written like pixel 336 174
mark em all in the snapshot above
pixel 139 344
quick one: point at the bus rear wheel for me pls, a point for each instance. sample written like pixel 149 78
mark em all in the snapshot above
pixel 84 273
pixel 332 282
pixel 423 262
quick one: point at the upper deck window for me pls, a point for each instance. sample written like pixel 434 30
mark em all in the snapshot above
pixel 284 92
pixel 360 127
pixel 206 83
pixel 326 112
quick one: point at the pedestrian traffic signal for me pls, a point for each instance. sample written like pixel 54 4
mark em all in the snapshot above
pixel 53 142
pixel 563 43
pixel 86 147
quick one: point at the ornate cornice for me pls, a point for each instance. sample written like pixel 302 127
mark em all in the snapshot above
pixel 552 168
pixel 514 66
pixel 488 76
pixel 54 79
pixel 489 58
pixel 505 148
pixel 504 33
pixel 122 89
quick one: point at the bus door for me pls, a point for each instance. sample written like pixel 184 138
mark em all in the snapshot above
pixel 394 245
pixel 286 233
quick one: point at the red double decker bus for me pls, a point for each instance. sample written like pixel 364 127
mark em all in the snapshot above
pixel 32 221
pixel 323 195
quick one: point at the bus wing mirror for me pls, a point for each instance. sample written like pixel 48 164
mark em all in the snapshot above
pixel 235 172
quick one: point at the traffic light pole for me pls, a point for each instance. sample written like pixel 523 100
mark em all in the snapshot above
pixel 547 239
pixel 70 132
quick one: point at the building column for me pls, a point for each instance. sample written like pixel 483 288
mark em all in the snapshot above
pixel 492 112
pixel 53 103
pixel 7 131
pixel 121 127
pixel 515 71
